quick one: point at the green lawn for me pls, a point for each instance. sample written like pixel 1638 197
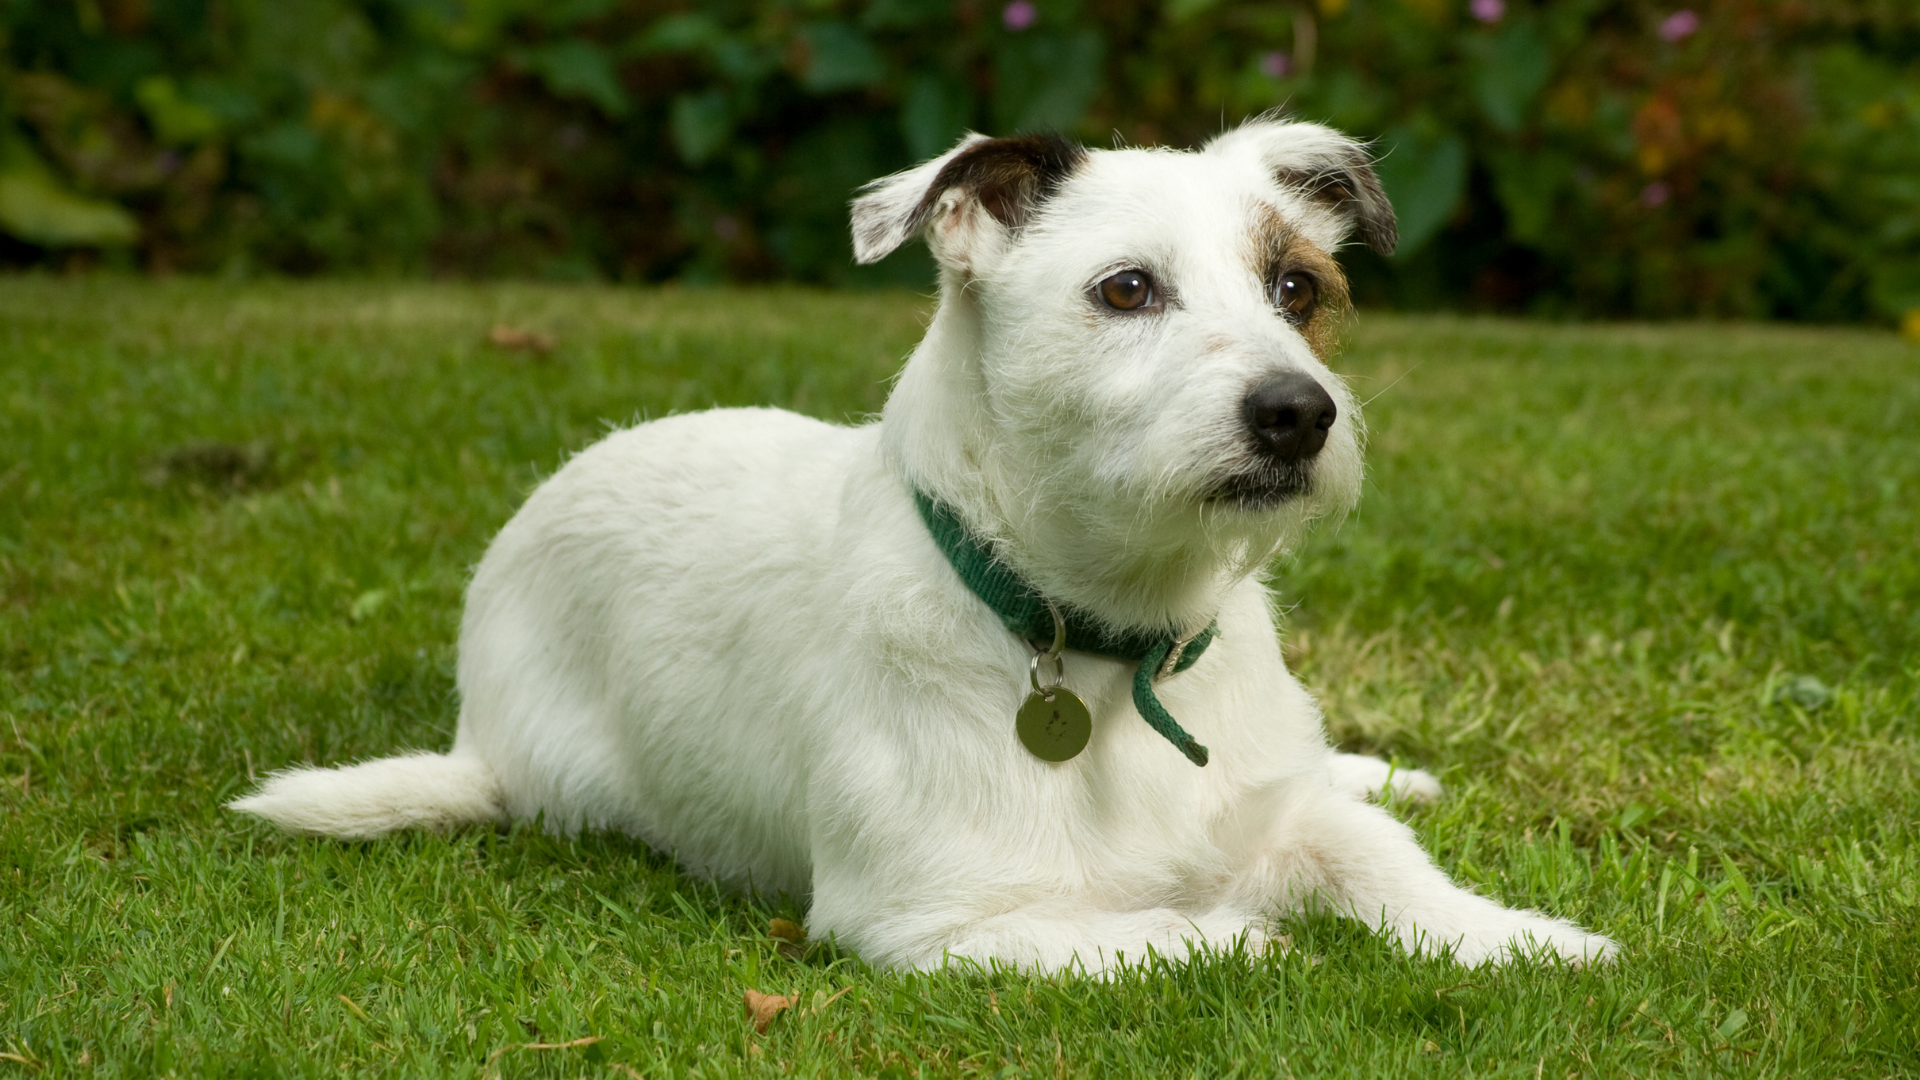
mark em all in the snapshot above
pixel 1647 597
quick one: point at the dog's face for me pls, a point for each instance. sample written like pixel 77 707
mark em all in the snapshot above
pixel 1153 324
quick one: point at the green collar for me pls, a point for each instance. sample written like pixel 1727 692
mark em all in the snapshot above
pixel 1024 611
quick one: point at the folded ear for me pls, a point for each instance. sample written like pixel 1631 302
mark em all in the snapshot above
pixel 980 189
pixel 1332 170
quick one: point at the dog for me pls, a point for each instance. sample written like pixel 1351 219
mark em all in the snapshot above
pixel 935 673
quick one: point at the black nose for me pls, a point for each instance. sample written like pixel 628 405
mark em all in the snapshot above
pixel 1290 415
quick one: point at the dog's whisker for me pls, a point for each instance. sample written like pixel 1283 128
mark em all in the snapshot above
pixel 1394 383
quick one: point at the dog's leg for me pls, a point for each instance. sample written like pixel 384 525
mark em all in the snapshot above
pixel 928 920
pixel 1371 777
pixel 1333 851
pixel 1065 935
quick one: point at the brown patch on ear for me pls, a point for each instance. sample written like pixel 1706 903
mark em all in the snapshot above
pixel 1009 177
pixel 1352 191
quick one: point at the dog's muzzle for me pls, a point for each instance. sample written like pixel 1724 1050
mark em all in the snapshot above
pixel 1287 419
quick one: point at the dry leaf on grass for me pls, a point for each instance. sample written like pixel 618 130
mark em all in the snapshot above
pixel 514 337
pixel 764 1007
pixel 791 936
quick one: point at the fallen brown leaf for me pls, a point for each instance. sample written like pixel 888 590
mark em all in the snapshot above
pixel 764 1007
pixel 514 337
pixel 791 936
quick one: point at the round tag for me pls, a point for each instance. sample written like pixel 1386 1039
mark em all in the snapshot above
pixel 1054 724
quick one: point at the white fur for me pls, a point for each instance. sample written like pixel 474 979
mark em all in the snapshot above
pixel 729 634
pixel 361 802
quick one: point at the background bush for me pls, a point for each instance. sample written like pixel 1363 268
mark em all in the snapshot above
pixel 1613 157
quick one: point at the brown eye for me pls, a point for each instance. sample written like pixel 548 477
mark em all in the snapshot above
pixel 1128 290
pixel 1295 296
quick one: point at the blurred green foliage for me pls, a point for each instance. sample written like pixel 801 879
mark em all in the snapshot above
pixel 1612 157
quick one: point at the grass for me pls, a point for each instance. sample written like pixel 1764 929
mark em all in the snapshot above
pixel 1649 598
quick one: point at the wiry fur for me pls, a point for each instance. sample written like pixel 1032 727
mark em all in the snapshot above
pixel 730 635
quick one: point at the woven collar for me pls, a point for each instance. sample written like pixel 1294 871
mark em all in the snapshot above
pixel 1024 611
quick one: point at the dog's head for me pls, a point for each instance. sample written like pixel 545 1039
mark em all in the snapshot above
pixel 1129 356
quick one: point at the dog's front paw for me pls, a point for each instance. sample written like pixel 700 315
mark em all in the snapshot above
pixel 1533 937
pixel 1378 780
pixel 1415 785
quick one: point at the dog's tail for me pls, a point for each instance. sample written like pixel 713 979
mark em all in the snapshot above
pixel 359 802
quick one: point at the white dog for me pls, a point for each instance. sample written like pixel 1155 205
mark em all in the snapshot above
pixel 795 655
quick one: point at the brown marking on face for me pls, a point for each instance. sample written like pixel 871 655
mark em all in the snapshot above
pixel 1279 249
pixel 1272 236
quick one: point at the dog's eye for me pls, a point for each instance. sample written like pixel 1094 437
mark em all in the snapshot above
pixel 1128 290
pixel 1294 294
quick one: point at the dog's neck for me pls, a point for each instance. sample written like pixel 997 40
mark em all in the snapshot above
pixel 939 435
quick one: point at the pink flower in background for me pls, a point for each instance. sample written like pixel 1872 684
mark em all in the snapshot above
pixel 1679 25
pixel 1487 11
pixel 1277 65
pixel 1019 15
pixel 1655 194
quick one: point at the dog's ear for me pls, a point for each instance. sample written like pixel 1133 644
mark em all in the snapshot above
pixel 1328 167
pixel 1002 179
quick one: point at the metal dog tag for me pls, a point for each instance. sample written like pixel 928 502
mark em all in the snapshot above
pixel 1054 724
